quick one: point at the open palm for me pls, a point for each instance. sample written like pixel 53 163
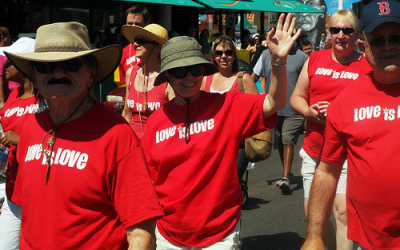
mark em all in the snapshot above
pixel 281 39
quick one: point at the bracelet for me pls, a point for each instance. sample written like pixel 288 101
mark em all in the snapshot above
pixel 278 64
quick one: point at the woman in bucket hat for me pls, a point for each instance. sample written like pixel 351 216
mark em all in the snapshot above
pixel 191 143
pixel 142 97
pixel 20 104
pixel 76 182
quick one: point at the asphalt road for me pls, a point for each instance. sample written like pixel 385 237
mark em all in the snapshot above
pixel 271 220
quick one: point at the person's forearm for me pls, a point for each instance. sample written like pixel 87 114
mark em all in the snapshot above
pixel 300 105
pixel 322 194
pixel 141 236
pixel 277 91
pixel 254 77
pixel 263 84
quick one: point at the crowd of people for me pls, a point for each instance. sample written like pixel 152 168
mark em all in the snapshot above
pixel 81 176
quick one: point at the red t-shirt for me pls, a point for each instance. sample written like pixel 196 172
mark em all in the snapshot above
pixel 98 184
pixel 197 182
pixel 156 98
pixel 363 125
pixel 128 60
pixel 327 79
pixel 13 116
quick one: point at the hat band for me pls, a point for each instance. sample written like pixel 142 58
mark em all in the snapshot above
pixel 60 49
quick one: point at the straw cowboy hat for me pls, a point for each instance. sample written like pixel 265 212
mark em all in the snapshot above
pixel 64 41
pixel 152 31
pixel 182 51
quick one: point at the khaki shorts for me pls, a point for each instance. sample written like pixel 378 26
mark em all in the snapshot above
pixel 308 170
pixel 287 130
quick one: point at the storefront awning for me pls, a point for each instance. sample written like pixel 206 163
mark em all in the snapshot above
pixel 260 5
pixel 188 3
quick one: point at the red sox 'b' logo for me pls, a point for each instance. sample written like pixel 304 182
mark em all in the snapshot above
pixel 384 8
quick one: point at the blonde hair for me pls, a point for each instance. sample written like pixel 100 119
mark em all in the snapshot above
pixel 347 15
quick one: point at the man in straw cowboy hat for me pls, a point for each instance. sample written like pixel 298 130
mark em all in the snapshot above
pixel 83 181
pixel 191 143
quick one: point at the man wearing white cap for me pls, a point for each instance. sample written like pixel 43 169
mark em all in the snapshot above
pixel 362 127
pixel 82 180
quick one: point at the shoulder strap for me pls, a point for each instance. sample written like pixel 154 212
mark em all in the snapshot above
pixel 240 81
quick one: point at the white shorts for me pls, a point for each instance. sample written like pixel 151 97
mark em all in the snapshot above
pixel 10 222
pixel 308 170
pixel 229 243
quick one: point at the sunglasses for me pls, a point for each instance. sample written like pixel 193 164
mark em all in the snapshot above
pixel 72 65
pixel 7 64
pixel 141 41
pixel 336 30
pixel 228 52
pixel 380 41
pixel 180 73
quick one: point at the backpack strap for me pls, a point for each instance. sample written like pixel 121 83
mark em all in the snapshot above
pixel 240 81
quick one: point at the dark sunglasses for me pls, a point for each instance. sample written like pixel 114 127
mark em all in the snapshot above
pixel 72 65
pixel 227 52
pixel 142 41
pixel 380 41
pixel 8 63
pixel 196 70
pixel 336 30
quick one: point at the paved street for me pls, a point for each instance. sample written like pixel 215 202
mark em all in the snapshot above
pixel 271 220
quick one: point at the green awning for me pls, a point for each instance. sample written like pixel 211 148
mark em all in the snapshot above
pixel 188 3
pixel 260 5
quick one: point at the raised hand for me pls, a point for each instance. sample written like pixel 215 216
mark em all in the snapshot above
pixel 281 39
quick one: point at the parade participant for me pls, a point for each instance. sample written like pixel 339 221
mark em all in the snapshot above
pixel 142 97
pixel 191 143
pixel 4 41
pixel 20 104
pixel 290 124
pixel 224 56
pixel 362 128
pixel 323 77
pixel 82 180
pixel 136 15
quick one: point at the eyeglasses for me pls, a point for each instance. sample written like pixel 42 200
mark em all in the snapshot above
pixel 142 41
pixel 180 73
pixel 8 64
pixel 72 65
pixel 380 41
pixel 336 30
pixel 228 52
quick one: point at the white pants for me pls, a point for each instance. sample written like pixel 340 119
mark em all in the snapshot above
pixel 10 222
pixel 308 169
pixel 229 243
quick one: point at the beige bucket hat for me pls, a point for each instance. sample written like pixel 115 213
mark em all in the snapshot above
pixel 58 42
pixel 152 31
